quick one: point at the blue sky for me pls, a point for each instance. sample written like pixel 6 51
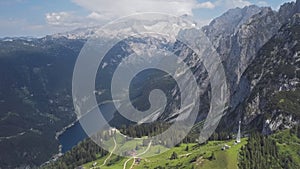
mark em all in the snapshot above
pixel 42 17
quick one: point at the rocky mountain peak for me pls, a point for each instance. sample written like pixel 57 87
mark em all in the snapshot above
pixel 229 21
pixel 287 10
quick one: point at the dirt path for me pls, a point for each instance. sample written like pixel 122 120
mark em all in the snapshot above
pixel 124 166
pixel 115 146
pixel 132 163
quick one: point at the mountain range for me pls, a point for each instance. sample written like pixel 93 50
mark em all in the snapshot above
pixel 259 49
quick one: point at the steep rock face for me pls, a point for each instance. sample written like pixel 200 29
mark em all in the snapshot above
pixel 248 40
pixel 240 48
pixel 221 30
pixel 274 77
pixel 287 10
pixel 237 40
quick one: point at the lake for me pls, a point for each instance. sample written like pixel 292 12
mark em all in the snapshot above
pixel 75 134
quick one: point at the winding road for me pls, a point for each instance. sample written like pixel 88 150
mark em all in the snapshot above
pixel 115 146
pixel 124 166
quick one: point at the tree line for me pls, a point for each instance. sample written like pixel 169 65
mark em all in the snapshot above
pixel 83 153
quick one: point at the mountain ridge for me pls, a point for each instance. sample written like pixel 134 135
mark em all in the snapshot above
pixel 36 74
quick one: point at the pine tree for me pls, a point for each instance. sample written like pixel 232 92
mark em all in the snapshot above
pixel 174 156
pixel 187 148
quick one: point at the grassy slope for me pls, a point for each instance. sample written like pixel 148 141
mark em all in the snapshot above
pixel 225 159
pixel 197 156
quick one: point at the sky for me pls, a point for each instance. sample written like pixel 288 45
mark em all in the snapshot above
pixel 38 18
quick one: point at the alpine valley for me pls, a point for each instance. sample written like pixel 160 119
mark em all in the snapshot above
pixel 260 52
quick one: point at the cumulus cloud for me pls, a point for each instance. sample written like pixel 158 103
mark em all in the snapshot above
pixel 102 11
pixel 96 16
pixel 70 19
pixel 119 8
pixel 62 19
pixel 208 5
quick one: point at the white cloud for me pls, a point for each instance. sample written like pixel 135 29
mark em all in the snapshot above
pixel 232 3
pixel 239 3
pixel 208 5
pixel 96 16
pixel 70 19
pixel 22 27
pixel 106 10
pixel 102 11
pixel 262 3
pixel 117 8
pixel 62 19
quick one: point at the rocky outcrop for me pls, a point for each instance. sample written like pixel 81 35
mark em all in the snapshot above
pixel 274 78
pixel 237 36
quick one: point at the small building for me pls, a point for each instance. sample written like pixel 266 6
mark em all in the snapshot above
pixel 225 147
pixel 131 153
pixel 112 131
pixel 138 160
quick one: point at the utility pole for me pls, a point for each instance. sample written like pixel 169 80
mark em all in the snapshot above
pixel 238 136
